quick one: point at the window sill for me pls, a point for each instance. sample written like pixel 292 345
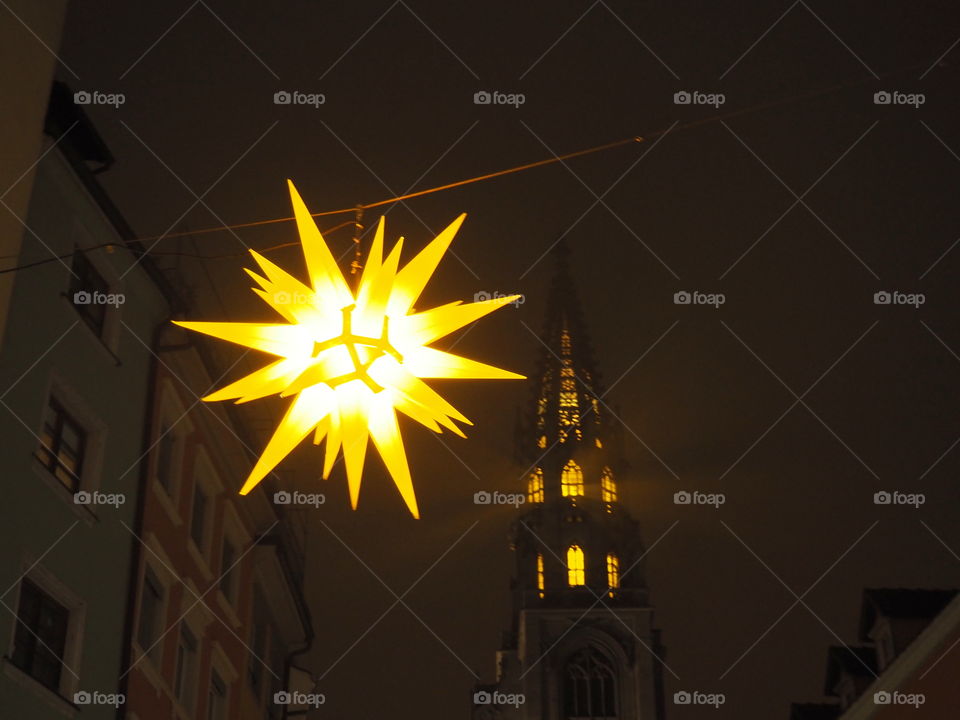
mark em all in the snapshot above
pixel 60 490
pixel 109 352
pixel 228 609
pixel 167 502
pixel 200 560
pixel 146 666
pixel 50 697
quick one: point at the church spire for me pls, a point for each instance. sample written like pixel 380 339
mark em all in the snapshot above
pixel 566 409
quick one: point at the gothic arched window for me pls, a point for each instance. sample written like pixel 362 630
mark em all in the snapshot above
pixel 608 488
pixel 589 686
pixel 576 571
pixel 613 572
pixel 535 486
pixel 541 582
pixel 571 480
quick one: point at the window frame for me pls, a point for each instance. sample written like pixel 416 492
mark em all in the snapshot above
pixel 76 609
pixel 576 566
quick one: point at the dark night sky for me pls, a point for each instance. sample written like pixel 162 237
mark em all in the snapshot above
pixel 399 113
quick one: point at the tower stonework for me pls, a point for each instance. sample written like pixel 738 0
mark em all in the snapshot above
pixel 581 644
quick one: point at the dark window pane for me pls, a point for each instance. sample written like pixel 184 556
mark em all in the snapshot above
pixel 198 520
pixel 85 285
pixel 41 635
pixel 62 444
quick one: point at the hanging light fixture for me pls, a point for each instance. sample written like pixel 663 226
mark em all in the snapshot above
pixel 351 358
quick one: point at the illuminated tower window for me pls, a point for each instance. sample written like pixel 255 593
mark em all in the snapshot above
pixel 541 583
pixel 613 572
pixel 608 488
pixel 576 572
pixel 571 480
pixel 569 404
pixel 535 486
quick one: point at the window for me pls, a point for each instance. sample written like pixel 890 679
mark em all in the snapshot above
pixel 217 697
pixel 258 643
pixel 613 572
pixel 198 518
pixel 575 567
pixel 88 292
pixel 151 615
pixel 62 444
pixel 166 457
pixel 184 685
pixel 589 686
pixel 571 480
pixel 541 584
pixel 228 571
pixel 535 486
pixel 608 488
pixel 41 635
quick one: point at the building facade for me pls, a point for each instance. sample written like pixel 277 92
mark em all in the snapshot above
pixel 218 601
pixel 582 643
pixel 74 389
pixel 136 582
pixel 905 665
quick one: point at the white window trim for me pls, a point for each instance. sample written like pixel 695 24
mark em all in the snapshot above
pixel 73 645
pixel 160 565
pixel 206 479
pixel 220 662
pixel 170 412
pixel 110 337
pixel 93 450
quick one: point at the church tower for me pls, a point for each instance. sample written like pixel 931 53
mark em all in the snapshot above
pixel 582 643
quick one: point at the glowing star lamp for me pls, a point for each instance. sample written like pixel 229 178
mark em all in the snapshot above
pixel 352 359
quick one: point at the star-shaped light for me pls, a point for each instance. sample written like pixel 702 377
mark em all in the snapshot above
pixel 351 359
